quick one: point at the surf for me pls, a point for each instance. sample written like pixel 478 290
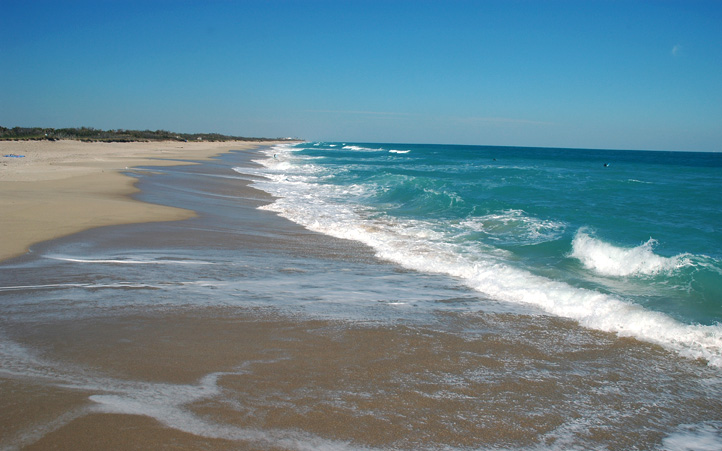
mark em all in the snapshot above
pixel 608 260
pixel 490 275
pixel 437 222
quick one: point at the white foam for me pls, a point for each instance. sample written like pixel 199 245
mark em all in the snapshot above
pixel 609 260
pixel 359 148
pixel 399 151
pixel 167 403
pixel 695 437
pixel 516 226
pixel 122 285
pixel 420 246
pixel 500 281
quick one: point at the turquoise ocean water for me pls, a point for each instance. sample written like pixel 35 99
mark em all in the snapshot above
pixel 621 241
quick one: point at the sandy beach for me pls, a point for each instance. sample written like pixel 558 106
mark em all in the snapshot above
pixel 238 329
pixel 55 188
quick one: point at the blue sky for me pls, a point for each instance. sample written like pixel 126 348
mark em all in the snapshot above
pixel 596 74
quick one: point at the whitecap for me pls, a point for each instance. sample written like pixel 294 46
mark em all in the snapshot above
pixel 359 148
pixel 515 226
pixel 608 260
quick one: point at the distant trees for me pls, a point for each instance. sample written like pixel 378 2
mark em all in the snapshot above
pixel 24 133
pixel 119 135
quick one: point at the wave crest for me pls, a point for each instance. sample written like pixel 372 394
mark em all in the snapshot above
pixel 609 260
pixel 515 227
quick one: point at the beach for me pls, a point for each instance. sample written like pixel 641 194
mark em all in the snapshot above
pixel 56 188
pixel 235 328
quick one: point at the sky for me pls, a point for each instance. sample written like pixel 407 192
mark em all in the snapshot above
pixel 582 74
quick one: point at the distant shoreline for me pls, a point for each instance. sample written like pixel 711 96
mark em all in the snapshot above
pixel 89 134
pixel 57 188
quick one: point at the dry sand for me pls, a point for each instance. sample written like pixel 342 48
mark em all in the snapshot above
pixel 63 187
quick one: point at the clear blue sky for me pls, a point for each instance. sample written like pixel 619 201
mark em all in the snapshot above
pixel 600 74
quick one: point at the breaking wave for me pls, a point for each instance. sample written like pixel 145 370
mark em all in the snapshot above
pixel 609 260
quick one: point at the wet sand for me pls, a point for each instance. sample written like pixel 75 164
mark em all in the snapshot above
pixel 260 380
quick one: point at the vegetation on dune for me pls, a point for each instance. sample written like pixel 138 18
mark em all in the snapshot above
pixel 119 135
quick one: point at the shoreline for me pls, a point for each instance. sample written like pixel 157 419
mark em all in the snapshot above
pixel 58 188
pixel 240 329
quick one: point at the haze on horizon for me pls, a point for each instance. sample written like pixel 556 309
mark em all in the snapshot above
pixel 592 74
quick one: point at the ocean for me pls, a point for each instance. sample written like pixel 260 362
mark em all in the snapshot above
pixel 620 241
pixel 383 296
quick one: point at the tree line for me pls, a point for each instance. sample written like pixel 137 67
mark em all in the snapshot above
pixel 95 135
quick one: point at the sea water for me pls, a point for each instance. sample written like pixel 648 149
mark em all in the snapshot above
pixel 620 241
